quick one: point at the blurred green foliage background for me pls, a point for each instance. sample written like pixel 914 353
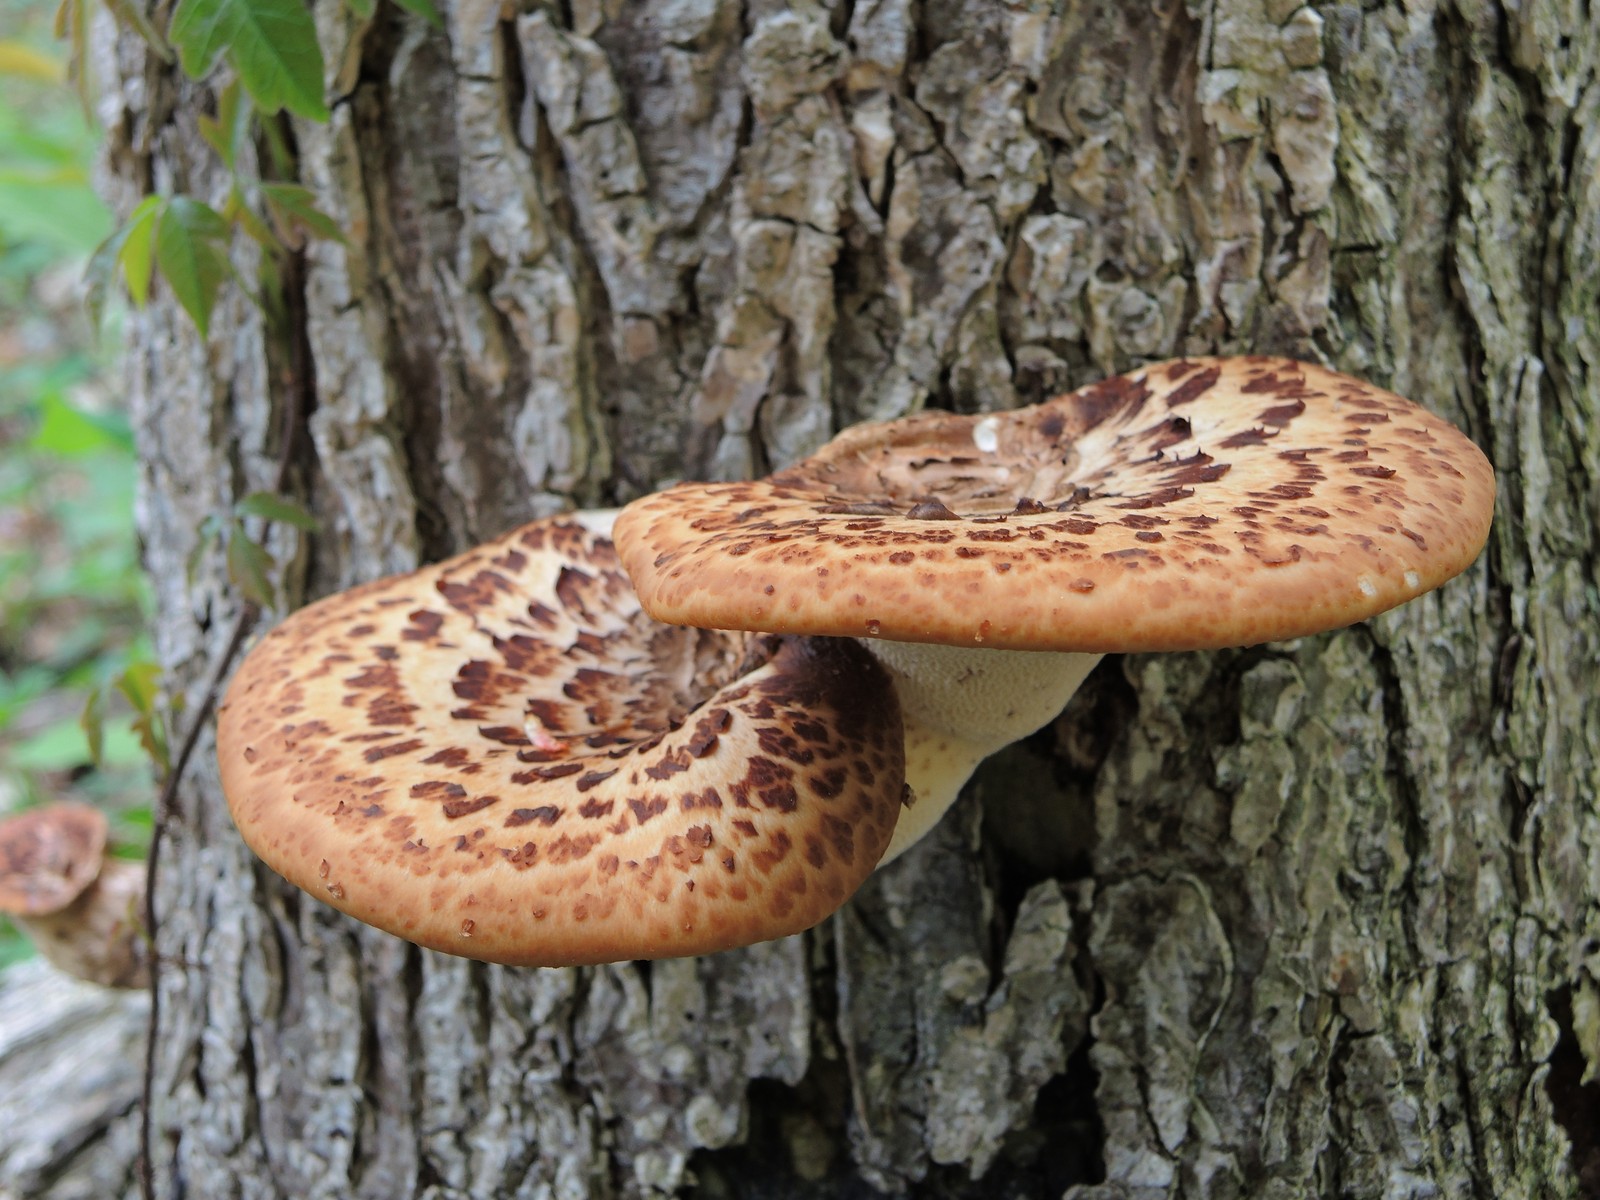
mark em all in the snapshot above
pixel 73 602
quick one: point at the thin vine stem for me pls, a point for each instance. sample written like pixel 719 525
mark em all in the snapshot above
pixel 165 806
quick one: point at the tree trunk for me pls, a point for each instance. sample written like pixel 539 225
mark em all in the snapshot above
pixel 1319 918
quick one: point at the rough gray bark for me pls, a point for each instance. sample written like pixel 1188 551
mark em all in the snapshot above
pixel 1308 919
pixel 70 1059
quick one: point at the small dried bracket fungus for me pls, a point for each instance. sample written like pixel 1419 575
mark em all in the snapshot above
pixel 987 561
pixel 81 909
pixel 501 756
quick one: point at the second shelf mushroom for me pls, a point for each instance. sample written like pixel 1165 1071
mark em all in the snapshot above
pixel 82 909
pixel 988 561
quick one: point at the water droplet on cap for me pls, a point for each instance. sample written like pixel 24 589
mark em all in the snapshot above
pixel 986 435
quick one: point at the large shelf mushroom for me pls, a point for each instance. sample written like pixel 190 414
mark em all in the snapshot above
pixel 988 561
pixel 501 756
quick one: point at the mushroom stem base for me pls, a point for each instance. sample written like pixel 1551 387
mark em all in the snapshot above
pixel 98 936
pixel 960 705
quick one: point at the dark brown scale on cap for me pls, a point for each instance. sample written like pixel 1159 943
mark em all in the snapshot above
pixel 1243 446
pixel 931 509
pixel 563 757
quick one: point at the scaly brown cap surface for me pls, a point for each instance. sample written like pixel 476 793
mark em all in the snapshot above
pixel 48 857
pixel 1191 504
pixel 502 757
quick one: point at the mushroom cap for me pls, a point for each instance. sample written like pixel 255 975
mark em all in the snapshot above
pixel 501 756
pixel 1191 504
pixel 48 857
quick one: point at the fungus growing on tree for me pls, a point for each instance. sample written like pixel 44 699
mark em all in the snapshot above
pixel 987 561
pixel 501 756
pixel 80 908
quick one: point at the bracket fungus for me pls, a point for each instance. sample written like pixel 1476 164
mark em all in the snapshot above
pixel 81 909
pixel 987 561
pixel 501 756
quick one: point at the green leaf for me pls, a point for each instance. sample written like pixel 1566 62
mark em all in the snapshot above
pixel 235 116
pixel 92 721
pixel 282 157
pixel 273 507
pixel 140 684
pixel 423 9
pixel 211 131
pixel 102 265
pixel 241 214
pixel 207 536
pixel 271 43
pixel 192 252
pixel 137 252
pixel 250 567
pixel 362 8
pixel 227 131
pixel 201 30
pixel 294 204
pixel 72 433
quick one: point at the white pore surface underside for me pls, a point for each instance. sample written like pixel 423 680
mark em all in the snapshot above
pixel 961 705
